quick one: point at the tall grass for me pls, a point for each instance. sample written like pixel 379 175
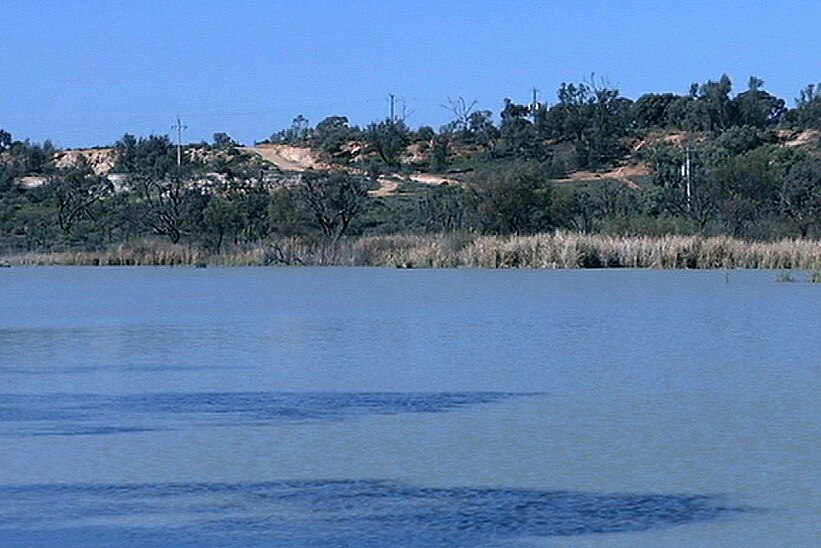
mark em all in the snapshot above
pixel 548 250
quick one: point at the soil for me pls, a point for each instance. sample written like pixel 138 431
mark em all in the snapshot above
pixel 622 174
pixel 287 157
pixel 291 158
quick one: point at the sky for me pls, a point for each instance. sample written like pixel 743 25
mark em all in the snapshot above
pixel 83 73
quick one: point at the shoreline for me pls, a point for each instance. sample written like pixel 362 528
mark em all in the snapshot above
pixel 566 250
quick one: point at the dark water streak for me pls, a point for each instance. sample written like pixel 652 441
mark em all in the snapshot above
pixel 94 414
pixel 329 513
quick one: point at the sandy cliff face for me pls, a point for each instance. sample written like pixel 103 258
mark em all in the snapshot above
pixel 101 160
pixel 287 157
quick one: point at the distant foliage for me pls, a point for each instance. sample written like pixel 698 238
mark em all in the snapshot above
pixel 807 114
pixel 720 162
pixel 152 155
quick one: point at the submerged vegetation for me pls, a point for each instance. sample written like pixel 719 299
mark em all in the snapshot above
pixel 702 180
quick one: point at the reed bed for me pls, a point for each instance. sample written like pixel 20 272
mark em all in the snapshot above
pixel 548 250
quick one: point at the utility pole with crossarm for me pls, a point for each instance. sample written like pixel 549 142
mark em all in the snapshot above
pixel 179 127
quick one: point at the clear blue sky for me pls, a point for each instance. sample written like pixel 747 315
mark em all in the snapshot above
pixel 84 72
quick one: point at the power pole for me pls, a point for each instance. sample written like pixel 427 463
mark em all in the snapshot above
pixel 179 127
pixel 685 171
pixel 534 106
pixel 393 101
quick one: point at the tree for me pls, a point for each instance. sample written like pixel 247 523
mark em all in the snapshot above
pixel 462 111
pixel 670 194
pixel 798 179
pixel 388 139
pixel 425 134
pixel 481 129
pixel 807 113
pixel 76 191
pixel 168 204
pixel 223 140
pixel 742 189
pixel 591 116
pixel 716 98
pixel 255 211
pixel 300 128
pixel 756 107
pixel 740 139
pixel 708 107
pixel 334 198
pixel 442 208
pixel 221 216
pixel 440 156
pixel 651 110
pixel 689 114
pixel 602 140
pixel 152 156
pixel 332 134
pixel 299 132
pixel 567 119
pixel 288 213
pixel 5 140
pixel 516 200
pixel 518 135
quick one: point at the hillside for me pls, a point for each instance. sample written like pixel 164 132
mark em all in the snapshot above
pixel 705 164
pixel 630 170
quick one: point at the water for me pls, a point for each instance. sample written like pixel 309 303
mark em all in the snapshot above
pixel 364 407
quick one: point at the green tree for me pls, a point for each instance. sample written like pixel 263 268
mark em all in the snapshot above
pixel 651 110
pixel 288 213
pixel 758 108
pixel 389 139
pixel 76 192
pixel 516 200
pixel 332 134
pixel 170 204
pixel 440 155
pixel 442 208
pixel 223 140
pixel 152 156
pixel 807 112
pixel 425 134
pixel 742 189
pixel 798 180
pixel 518 135
pixel 593 117
pixel 5 140
pixel 223 216
pixel 334 199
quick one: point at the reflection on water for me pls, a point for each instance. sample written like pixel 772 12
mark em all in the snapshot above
pixel 329 513
pixel 90 414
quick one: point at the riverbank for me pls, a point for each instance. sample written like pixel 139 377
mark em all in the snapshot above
pixel 548 250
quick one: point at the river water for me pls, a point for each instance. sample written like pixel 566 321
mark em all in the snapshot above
pixel 377 407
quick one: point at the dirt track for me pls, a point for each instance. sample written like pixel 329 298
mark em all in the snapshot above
pixel 286 157
pixel 290 158
pixel 621 174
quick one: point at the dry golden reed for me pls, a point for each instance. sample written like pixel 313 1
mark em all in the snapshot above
pixel 548 250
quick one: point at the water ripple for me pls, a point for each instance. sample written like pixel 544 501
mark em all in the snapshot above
pixel 330 513
pixel 91 414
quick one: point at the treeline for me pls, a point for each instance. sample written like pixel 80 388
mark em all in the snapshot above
pixel 590 125
pixel 727 172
